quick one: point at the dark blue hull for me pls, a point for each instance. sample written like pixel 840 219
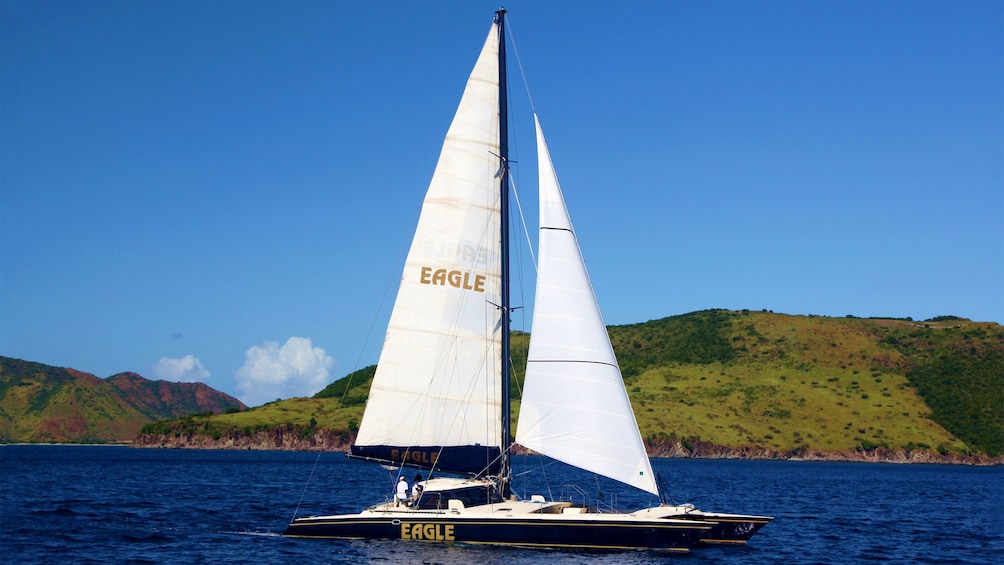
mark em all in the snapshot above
pixel 608 534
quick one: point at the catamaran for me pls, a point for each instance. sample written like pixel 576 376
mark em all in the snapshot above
pixel 440 396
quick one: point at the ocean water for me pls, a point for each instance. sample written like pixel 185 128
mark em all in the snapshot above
pixel 84 504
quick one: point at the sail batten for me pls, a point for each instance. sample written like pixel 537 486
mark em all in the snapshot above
pixel 570 361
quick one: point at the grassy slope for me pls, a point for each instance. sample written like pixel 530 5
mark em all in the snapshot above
pixel 741 379
pixel 801 381
pixel 338 407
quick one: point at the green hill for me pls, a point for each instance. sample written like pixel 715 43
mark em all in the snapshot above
pixel 40 403
pixel 833 384
pixel 745 382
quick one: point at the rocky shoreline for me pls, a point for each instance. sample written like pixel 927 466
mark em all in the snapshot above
pixel 286 439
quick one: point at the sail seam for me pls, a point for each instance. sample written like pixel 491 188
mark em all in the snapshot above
pixel 583 361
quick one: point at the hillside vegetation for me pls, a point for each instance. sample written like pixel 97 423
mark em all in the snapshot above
pixel 40 403
pixel 833 384
pixel 744 381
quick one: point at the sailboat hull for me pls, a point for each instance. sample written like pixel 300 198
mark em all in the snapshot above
pixel 619 532
pixel 727 529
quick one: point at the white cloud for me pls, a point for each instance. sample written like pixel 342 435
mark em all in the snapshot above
pixel 297 368
pixel 187 369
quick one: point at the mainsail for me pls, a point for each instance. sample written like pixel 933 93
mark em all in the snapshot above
pixel 574 406
pixel 436 396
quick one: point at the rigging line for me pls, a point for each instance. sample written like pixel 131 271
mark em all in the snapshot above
pixel 348 384
pixel 448 362
pixel 305 486
pixel 522 219
pixel 519 62
pixel 515 172
pixel 366 340
pixel 514 143
pixel 369 332
pixel 547 482
pixel 484 470
pixel 515 189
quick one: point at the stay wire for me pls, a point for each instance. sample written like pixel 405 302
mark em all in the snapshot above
pixel 519 62
pixel 348 384
pixel 306 485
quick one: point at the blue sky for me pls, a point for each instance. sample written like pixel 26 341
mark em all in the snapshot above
pixel 224 191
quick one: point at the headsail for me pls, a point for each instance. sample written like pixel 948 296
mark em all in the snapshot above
pixel 435 398
pixel 574 406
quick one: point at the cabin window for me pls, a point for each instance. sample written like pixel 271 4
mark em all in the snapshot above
pixel 476 496
pixel 429 501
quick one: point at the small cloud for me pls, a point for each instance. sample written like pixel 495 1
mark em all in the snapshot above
pixel 187 369
pixel 271 371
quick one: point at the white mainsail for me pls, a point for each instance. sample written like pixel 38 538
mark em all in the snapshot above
pixel 574 406
pixel 438 380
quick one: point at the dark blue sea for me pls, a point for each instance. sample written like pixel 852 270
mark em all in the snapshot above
pixel 77 504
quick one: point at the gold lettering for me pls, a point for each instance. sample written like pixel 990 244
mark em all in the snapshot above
pixel 426 457
pixel 465 280
pixel 428 532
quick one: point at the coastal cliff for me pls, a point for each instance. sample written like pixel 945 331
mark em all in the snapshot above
pixel 730 384
pixel 291 439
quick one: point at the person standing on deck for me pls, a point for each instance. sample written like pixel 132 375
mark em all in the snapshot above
pixel 402 493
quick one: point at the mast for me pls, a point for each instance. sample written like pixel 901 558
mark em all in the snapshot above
pixel 505 474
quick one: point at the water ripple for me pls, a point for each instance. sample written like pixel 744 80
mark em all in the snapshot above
pixel 60 505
